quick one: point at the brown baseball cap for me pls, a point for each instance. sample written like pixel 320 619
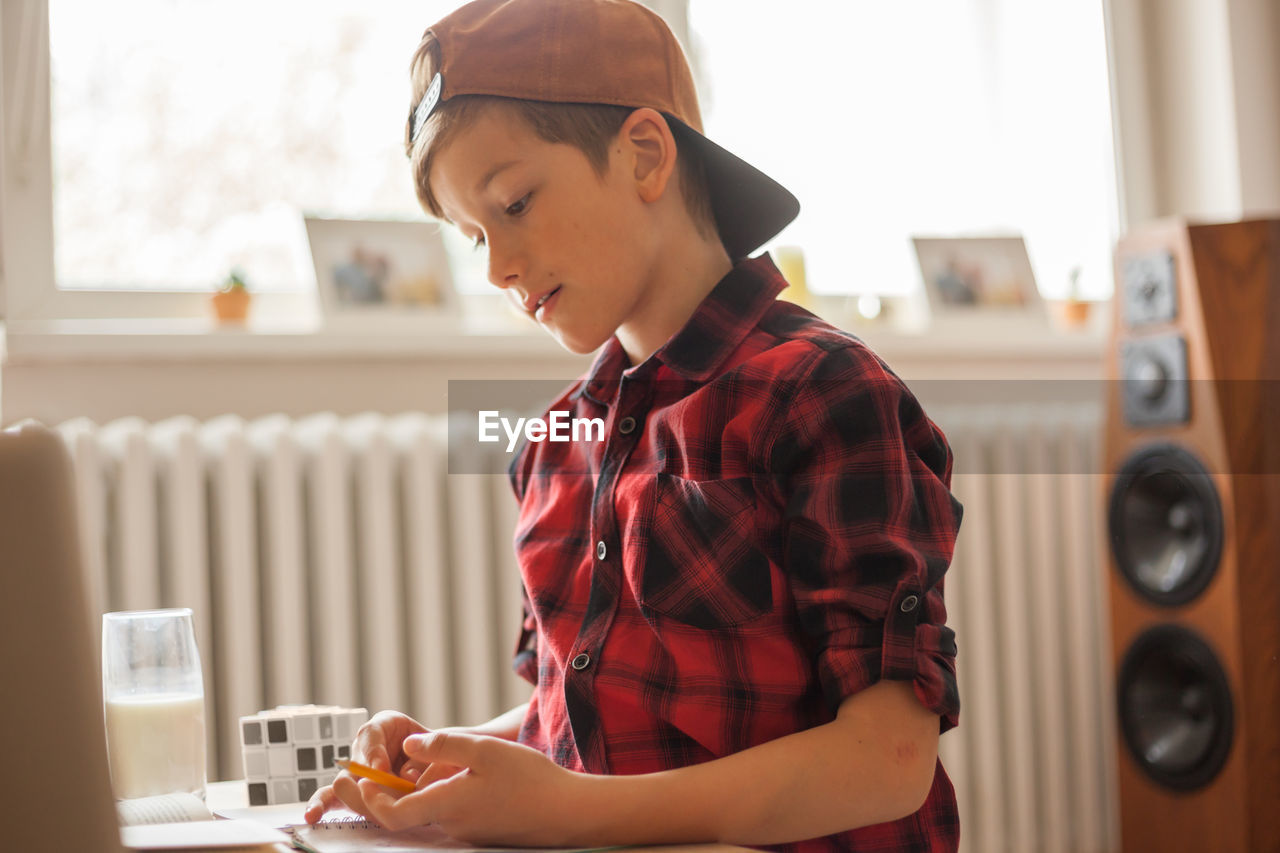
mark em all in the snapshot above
pixel 600 52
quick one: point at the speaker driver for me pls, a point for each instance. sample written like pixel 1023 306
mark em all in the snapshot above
pixel 1165 522
pixel 1175 707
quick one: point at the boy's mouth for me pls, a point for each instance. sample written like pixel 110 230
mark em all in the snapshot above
pixel 542 300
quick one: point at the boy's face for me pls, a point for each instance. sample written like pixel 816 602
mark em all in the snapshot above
pixel 573 249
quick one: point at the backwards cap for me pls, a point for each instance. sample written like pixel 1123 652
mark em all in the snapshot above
pixel 600 52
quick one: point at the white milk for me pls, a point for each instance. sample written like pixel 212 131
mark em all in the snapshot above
pixel 156 744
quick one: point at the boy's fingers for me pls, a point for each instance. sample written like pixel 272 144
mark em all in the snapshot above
pixel 382 805
pixel 346 789
pixel 321 801
pixel 400 811
pixel 411 770
pixel 378 757
pixel 455 748
pixel 378 742
pixel 370 748
pixel 436 772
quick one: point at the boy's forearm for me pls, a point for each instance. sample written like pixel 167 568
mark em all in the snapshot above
pixel 506 725
pixel 852 772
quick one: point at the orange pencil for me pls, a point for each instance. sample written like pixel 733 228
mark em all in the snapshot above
pixel 382 777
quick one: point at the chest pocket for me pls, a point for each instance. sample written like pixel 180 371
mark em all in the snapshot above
pixel 702 566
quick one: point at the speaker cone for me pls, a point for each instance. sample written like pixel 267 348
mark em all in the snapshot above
pixel 1166 524
pixel 1175 707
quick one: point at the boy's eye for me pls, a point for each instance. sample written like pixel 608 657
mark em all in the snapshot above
pixel 520 206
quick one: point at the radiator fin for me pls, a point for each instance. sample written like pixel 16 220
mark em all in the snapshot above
pixel 1030 759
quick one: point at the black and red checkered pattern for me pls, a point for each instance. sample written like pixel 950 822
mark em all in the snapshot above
pixel 762 532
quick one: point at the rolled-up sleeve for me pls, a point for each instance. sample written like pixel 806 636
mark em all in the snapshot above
pixel 870 525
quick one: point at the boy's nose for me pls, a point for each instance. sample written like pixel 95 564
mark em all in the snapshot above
pixel 502 281
pixel 503 269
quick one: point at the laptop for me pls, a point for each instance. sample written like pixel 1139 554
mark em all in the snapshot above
pixel 56 786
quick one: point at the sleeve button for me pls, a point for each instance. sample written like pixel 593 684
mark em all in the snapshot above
pixel 909 603
pixel 581 662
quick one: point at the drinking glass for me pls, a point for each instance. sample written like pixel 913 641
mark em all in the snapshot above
pixel 153 693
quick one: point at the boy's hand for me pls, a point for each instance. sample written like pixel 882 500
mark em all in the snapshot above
pixel 508 793
pixel 379 743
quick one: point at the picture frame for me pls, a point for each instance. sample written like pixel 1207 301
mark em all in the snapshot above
pixel 969 276
pixel 371 270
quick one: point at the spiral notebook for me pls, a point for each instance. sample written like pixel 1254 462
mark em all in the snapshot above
pixel 356 835
pixel 347 832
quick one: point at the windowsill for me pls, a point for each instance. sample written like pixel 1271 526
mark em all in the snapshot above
pixel 482 338
pixel 155 369
pixel 200 339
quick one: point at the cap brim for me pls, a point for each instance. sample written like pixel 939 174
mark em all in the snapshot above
pixel 750 207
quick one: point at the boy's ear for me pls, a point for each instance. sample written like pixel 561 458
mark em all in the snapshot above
pixel 647 139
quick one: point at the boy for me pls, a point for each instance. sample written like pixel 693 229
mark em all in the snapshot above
pixel 734 615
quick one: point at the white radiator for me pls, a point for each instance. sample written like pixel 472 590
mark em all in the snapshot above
pixel 1031 759
pixel 336 561
pixel 326 560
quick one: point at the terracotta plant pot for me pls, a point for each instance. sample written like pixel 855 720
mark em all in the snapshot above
pixel 1073 313
pixel 231 306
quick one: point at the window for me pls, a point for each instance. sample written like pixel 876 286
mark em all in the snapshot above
pixel 920 117
pixel 165 142
pixel 188 138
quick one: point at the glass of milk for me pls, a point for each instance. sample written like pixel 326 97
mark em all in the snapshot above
pixel 153 693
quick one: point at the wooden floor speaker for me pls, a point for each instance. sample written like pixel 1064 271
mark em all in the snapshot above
pixel 1193 517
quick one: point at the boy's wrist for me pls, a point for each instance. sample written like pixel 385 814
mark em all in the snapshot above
pixel 636 809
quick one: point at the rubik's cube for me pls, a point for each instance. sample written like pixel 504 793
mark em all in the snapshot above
pixel 290 751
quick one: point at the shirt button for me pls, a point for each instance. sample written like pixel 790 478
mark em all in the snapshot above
pixel 908 604
pixel 601 550
pixel 626 425
pixel 581 662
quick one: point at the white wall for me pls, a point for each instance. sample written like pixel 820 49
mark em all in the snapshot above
pixel 1256 70
pixel 1196 100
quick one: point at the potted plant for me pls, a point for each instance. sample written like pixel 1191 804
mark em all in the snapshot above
pixel 231 301
pixel 1074 310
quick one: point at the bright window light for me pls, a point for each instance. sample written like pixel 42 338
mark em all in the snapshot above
pixel 190 137
pixel 935 117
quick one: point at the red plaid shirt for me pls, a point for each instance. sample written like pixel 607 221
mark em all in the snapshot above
pixel 762 532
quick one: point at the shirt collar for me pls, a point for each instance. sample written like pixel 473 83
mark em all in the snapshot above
pixel 720 322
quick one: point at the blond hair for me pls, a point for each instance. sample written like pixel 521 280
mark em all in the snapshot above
pixel 588 127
